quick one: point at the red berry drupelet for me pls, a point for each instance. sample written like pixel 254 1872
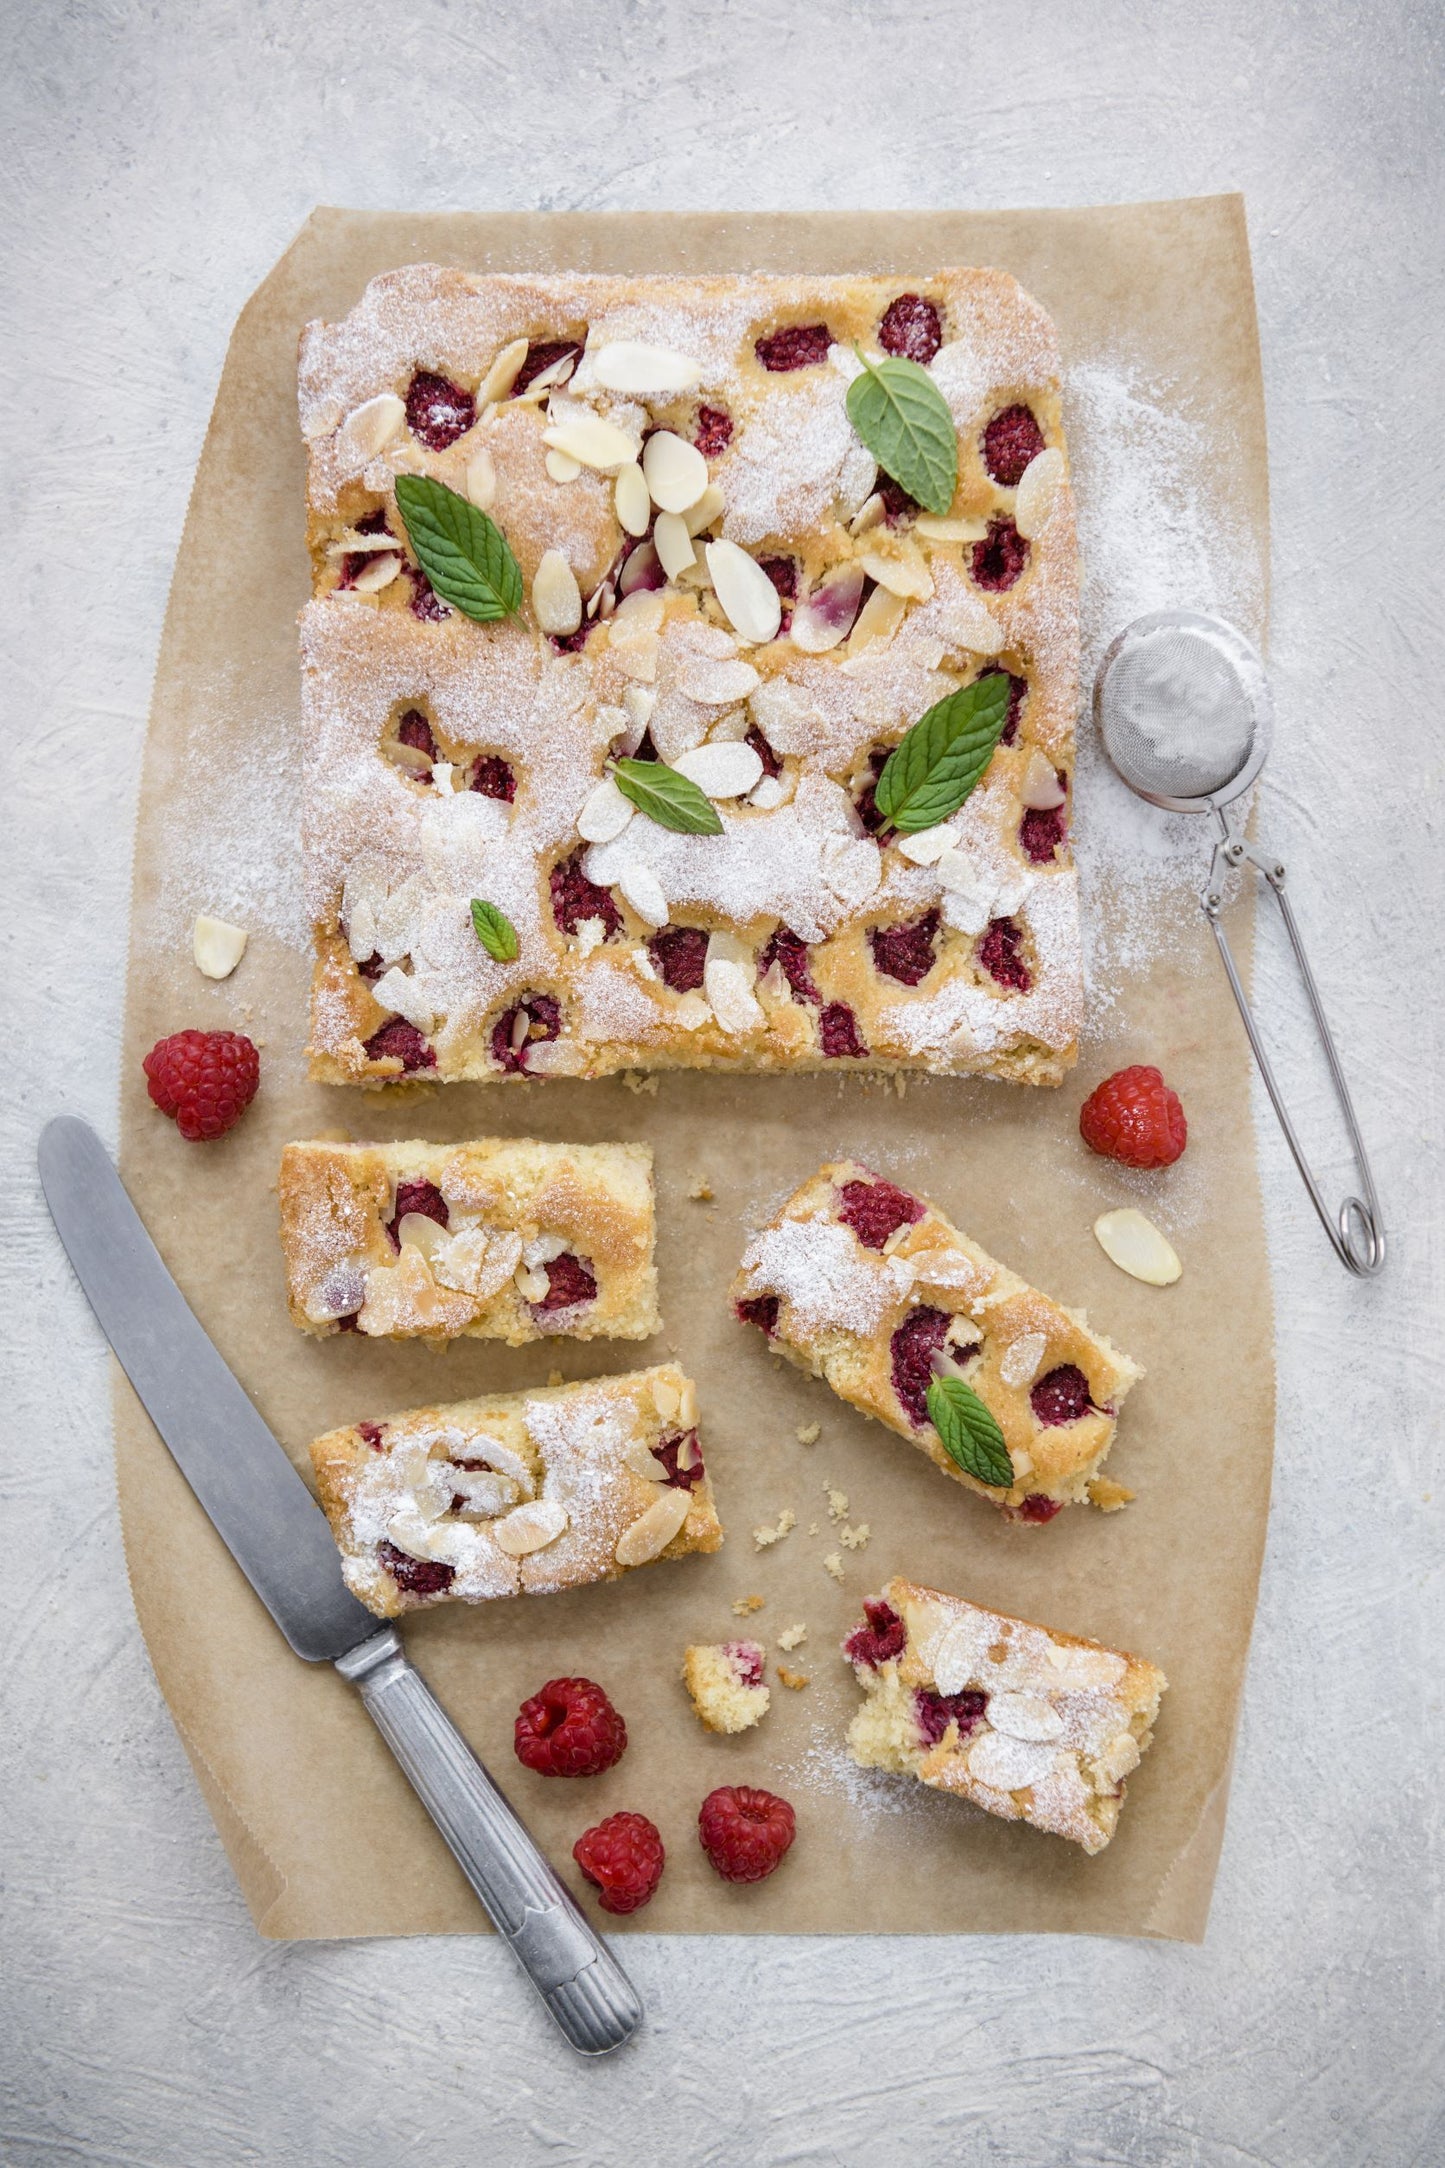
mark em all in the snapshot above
pixel 624 1858
pixel 745 1832
pixel 569 1728
pixel 204 1080
pixel 1134 1117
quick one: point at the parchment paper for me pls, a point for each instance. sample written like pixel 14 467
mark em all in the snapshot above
pixel 323 1832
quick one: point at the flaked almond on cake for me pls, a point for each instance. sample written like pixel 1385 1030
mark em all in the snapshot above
pixel 504 1238
pixel 690 677
pixel 518 1493
pixel 872 1289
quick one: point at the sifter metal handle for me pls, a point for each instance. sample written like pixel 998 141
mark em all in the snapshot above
pixel 1356 1233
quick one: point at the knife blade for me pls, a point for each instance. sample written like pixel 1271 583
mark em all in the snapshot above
pixel 280 1539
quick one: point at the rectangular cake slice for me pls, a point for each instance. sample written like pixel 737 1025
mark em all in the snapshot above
pixel 870 1288
pixel 716 577
pixel 503 1239
pixel 518 1493
pixel 1030 1724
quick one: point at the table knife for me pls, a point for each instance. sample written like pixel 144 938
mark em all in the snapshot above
pixel 279 1537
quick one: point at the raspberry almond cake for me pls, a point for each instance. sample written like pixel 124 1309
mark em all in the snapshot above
pixel 518 1493
pixel 1027 1723
pixel 872 1289
pixel 699 570
pixel 503 1239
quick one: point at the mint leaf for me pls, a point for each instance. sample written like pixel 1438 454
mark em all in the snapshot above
pixel 968 1433
pixel 495 931
pixel 904 420
pixel 666 796
pixel 931 771
pixel 463 553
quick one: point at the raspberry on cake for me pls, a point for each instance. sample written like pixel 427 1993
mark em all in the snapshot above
pixel 518 1493
pixel 718 578
pixel 872 1289
pixel 725 1680
pixel 1028 1723
pixel 502 1239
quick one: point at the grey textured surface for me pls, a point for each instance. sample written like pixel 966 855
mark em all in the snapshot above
pixel 158 159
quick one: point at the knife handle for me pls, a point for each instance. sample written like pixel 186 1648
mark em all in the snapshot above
pixel 582 1984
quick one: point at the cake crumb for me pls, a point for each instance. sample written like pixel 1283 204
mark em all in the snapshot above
pixel 700 1189
pixel 837 1503
pixel 637 1082
pixel 787 1521
pixel 1107 1495
pixel 812 1528
pixel 809 1433
pixel 833 1564
pixel 554 1377
pixel 742 1605
pixel 790 1637
pixel 853 1539
pixel 900 1084
pixel 794 1680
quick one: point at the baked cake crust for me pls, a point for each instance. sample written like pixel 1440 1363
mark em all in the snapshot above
pixel 518 1493
pixel 501 1239
pixel 876 1318
pixel 450 759
pixel 1028 1723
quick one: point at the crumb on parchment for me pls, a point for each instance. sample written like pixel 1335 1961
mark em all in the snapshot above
pixel 742 1605
pixel 833 1564
pixel 790 1638
pixel 700 1189
pixel 809 1433
pixel 795 1681
pixel 766 1534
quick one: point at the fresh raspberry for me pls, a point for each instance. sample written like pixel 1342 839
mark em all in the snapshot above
pixel 570 1280
pixel 404 1042
pixel 791 956
pixel 1134 1117
pixel 544 1021
pixel 438 411
pixel 998 952
pixel 874 1209
pixel 417 1196
pixel 204 1080
pixel 905 953
pixel 911 328
pixel 426 603
pixel 912 1349
pixel 414 730
pixel 881 1640
pixel 783 572
pixel 745 1832
pixel 934 1712
pixel 714 431
pixel 624 1857
pixel 760 1310
pixel 897 504
pixel 867 798
pixel 1062 1396
pixel 772 764
pixel 575 898
pixel 540 355
pixel 572 643
pixel 1017 688
pixel 1042 832
pixel 493 778
pixel 1011 442
pixel 679 955
pixel 418 1576
pixel 569 1728
pixel 796 346
pixel 669 1452
pixel 838 1034
pixel 1000 557
pixel 1038 1507
pixel 371 1434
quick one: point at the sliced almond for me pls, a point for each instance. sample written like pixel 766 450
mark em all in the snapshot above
pixel 1025 1716
pixel 1042 789
pixel 641 610
pixel 928 846
pixel 769 794
pixel 665 1398
pixel 1034 498
pixel 689 1453
pixel 592 442
pixel 543 1249
pixel 483 1491
pixel 351 544
pixel 879 618
pixel 482 480
pixel 641 888
pixel 642 570
pixel 676 471
pixel 936 528
pixel 398 991
pixel 715 682
pixel 731 997
pixel 644 372
pixel 553 377
pixel 722 768
pixel 643 1462
pixel 605 814
pixel 869 514
pixel 901 569
pixel 825 618
pixel 556 597
pixel 652 1531
pixel 502 375
pixel 630 496
pixel 380 573
pixel 749 598
pixel 1135 1245
pixel 563 467
pixel 730 729
pixel 218 947
pixel 636 654
pixel 530 1527
pixel 369 428
pixel 709 507
pixel 418 1231
pixel 532 1283
pixel 676 550
pixel 1021 1358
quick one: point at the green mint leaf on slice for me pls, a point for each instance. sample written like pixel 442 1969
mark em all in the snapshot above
pixel 666 796
pixel 931 771
pixel 968 1433
pixel 463 553
pixel 495 931
pixel 904 420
